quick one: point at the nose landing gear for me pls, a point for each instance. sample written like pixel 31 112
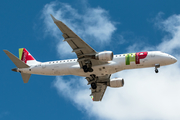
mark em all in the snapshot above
pixel 156 68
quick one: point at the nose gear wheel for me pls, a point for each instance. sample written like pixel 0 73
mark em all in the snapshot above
pixel 156 68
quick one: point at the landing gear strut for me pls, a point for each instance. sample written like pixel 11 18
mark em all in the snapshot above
pixel 156 68
pixel 87 67
pixel 90 69
pixel 92 80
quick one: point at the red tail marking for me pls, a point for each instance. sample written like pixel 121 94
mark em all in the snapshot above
pixel 26 56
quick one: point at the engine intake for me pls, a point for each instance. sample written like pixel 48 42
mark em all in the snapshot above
pixel 116 82
pixel 104 56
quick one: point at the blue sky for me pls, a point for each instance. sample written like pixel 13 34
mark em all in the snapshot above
pixel 120 26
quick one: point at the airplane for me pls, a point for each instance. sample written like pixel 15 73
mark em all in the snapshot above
pixel 96 67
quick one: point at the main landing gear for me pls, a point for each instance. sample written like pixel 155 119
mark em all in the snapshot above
pixel 87 67
pixel 156 68
pixel 93 81
pixel 93 85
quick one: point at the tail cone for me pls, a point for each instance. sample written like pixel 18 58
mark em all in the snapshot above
pixel 14 69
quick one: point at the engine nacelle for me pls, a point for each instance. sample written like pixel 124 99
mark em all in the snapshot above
pixel 116 82
pixel 104 56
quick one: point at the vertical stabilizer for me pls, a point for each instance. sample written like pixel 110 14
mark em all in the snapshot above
pixel 25 77
pixel 26 57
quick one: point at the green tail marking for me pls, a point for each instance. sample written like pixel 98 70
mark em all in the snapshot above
pixel 20 53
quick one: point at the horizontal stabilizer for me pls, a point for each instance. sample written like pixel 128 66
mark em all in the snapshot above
pixel 15 60
pixel 25 77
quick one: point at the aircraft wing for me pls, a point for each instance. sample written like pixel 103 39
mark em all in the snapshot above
pixel 98 93
pixel 81 48
pixel 84 52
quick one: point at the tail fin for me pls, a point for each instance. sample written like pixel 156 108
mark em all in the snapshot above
pixel 26 57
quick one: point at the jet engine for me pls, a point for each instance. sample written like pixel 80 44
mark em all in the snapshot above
pixel 104 56
pixel 116 82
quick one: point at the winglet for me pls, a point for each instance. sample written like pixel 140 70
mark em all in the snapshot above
pixel 54 19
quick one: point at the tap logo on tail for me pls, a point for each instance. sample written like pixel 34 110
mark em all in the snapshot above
pixel 24 55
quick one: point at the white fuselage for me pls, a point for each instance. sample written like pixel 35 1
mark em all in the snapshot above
pixel 119 62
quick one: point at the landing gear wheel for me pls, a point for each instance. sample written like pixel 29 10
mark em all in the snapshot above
pixel 93 76
pixel 156 71
pixel 85 68
pixel 93 85
pixel 90 69
pixel 156 68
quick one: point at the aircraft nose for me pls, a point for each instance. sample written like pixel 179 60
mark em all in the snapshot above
pixel 174 59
